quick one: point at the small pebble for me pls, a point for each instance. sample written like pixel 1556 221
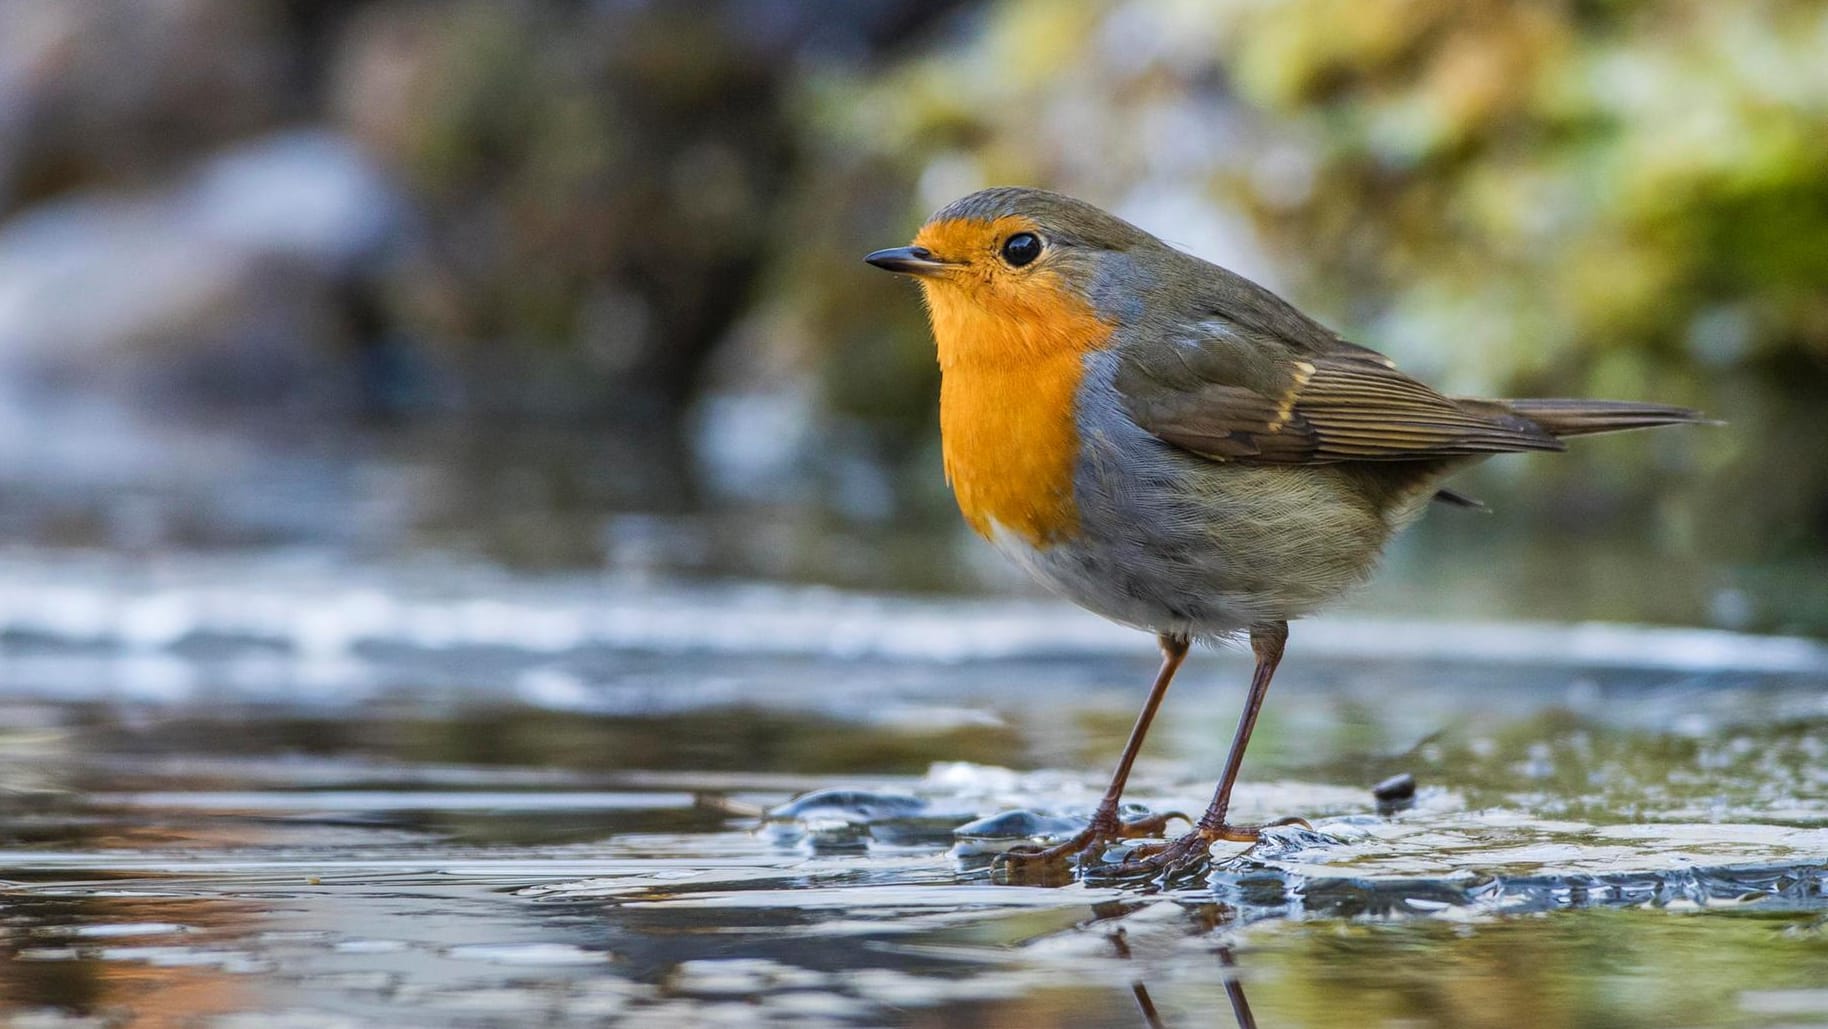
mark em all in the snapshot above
pixel 1394 794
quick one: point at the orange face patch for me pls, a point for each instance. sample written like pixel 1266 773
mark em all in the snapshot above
pixel 1012 344
pixel 965 239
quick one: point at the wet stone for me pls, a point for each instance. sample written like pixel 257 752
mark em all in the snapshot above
pixel 1019 826
pixel 837 820
pixel 861 806
pixel 1459 865
pixel 1394 794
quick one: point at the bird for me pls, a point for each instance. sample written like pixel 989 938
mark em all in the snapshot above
pixel 1176 448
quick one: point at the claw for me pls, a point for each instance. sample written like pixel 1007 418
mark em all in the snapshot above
pixel 1186 852
pixel 1103 829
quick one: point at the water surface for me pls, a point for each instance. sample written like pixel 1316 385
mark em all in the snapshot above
pixel 441 795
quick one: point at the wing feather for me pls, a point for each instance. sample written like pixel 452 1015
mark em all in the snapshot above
pixel 1308 405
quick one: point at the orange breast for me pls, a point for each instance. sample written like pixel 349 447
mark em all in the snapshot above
pixel 1009 378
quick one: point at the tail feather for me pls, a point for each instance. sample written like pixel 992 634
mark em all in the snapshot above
pixel 1584 417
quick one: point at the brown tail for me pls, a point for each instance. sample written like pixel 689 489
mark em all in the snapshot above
pixel 1585 417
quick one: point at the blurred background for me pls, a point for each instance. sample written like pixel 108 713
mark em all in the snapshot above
pixel 452 453
pixel 575 286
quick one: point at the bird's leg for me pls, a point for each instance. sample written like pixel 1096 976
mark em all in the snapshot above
pixel 1105 824
pixel 1266 642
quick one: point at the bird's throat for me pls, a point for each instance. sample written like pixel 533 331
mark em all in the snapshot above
pixel 1008 406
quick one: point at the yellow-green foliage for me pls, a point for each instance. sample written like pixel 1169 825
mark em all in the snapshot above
pixel 1549 182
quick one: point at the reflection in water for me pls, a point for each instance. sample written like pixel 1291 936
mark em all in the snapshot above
pixel 100 955
pixel 1146 1006
pixel 1234 991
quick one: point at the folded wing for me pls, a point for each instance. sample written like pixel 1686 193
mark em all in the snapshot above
pixel 1231 394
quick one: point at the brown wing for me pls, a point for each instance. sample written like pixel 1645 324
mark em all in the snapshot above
pixel 1239 396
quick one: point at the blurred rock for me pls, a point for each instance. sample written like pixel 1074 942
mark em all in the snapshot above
pixel 124 91
pixel 1397 793
pixel 602 184
pixel 241 283
pixel 594 190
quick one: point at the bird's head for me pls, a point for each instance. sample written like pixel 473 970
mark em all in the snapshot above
pixel 1012 273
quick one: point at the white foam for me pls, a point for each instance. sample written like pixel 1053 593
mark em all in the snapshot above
pixel 326 613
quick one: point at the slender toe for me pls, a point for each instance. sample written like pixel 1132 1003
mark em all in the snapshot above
pixel 1081 847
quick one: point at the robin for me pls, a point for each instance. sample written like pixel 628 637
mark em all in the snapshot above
pixel 1180 450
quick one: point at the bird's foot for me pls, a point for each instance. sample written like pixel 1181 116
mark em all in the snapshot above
pixel 1025 860
pixel 1185 853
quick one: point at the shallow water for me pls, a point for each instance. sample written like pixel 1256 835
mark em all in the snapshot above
pixel 235 790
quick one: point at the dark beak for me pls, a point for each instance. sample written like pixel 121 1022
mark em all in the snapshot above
pixel 907 260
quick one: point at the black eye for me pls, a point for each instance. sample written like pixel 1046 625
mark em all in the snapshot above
pixel 1021 248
